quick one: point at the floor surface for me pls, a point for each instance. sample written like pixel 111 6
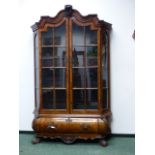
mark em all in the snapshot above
pixel 117 146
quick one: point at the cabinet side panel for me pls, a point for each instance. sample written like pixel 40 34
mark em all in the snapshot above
pixel 36 70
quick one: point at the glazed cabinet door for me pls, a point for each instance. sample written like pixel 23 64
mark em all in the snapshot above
pixel 85 68
pixel 54 67
pixel 72 67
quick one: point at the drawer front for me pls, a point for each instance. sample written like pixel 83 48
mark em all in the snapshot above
pixel 51 125
pixel 71 125
pixel 83 125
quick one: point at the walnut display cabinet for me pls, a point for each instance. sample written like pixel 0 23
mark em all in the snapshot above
pixel 72 77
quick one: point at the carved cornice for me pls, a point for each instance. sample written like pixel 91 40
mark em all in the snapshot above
pixel 68 12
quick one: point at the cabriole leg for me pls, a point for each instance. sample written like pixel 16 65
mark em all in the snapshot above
pixel 36 140
pixel 103 143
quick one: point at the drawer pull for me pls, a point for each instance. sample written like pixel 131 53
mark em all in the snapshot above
pixel 51 127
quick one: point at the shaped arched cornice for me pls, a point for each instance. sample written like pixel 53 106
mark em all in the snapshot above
pixel 68 12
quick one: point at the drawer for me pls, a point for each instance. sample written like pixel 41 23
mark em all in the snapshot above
pixel 51 125
pixel 71 125
pixel 83 125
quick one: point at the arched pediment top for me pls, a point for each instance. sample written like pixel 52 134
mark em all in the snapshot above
pixel 68 12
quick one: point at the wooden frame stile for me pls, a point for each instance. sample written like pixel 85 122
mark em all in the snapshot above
pixel 67 65
pixel 70 54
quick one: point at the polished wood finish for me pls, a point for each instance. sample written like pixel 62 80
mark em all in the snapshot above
pixel 70 124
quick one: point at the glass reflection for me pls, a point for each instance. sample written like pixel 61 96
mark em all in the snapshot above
pixel 105 97
pixel 78 56
pixel 47 62
pixel 91 99
pixel 105 60
pixel 60 99
pixel 78 34
pixel 91 36
pixel 92 56
pixel 60 35
pixel 91 76
pixel 59 57
pixel 47 99
pixel 47 57
pixel 60 77
pixel 36 62
pixel 105 70
pixel 78 78
pixel 47 37
pixel 47 52
pixel 47 77
pixel 78 99
pixel 37 97
pixel 36 51
pixel 37 78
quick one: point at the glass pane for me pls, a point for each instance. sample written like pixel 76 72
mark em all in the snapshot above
pixel 91 36
pixel 47 57
pixel 47 77
pixel 47 99
pixel 60 99
pixel 60 77
pixel 37 97
pixel 78 34
pixel 92 99
pixel 47 52
pixel 91 76
pixel 105 69
pixel 36 51
pixel 36 62
pixel 92 56
pixel 78 99
pixel 105 60
pixel 60 35
pixel 78 56
pixel 47 37
pixel 78 78
pixel 105 98
pixel 37 91
pixel 59 56
pixel 47 62
pixel 37 78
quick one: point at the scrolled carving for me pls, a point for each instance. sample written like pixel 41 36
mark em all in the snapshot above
pixel 74 14
pixel 69 139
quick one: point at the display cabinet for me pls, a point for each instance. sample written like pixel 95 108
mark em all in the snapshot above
pixel 72 77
